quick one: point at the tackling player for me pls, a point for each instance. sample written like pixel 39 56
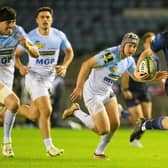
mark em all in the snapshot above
pixel 95 81
pixel 10 36
pixel 160 42
pixel 136 95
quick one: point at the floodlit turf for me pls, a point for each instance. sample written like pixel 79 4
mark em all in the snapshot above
pixel 79 146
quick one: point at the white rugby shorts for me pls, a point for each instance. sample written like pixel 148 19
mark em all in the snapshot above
pixel 95 102
pixel 37 87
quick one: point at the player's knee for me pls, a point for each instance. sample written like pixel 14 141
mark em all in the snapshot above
pixel 103 131
pixel 46 112
pixel 14 105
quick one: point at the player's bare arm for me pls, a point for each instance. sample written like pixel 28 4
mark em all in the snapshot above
pixel 82 76
pixel 125 86
pixel 142 77
pixel 22 68
pixel 32 49
pixel 62 69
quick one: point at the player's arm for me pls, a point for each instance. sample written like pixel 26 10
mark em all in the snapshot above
pixel 142 77
pixel 30 48
pixel 82 76
pixel 18 64
pixel 62 69
pixel 125 86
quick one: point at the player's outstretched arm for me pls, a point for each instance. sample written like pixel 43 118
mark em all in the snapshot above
pixel 82 76
pixel 31 49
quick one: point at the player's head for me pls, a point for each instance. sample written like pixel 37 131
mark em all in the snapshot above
pixel 7 13
pixel 147 38
pixel 44 9
pixel 130 38
pixel 129 43
pixel 44 17
pixel 7 20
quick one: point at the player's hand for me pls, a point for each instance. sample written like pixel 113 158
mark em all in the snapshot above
pixel 24 70
pixel 61 70
pixel 127 94
pixel 76 94
pixel 161 75
pixel 141 75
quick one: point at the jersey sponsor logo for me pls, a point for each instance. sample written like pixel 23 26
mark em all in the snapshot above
pixel 107 57
pixel 46 61
pixel 5 60
pixel 108 80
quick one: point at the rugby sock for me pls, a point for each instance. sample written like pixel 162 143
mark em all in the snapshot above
pixel 47 142
pixel 104 140
pixel 85 118
pixel 154 124
pixel 9 120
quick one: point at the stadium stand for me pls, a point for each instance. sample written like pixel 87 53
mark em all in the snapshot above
pixel 92 24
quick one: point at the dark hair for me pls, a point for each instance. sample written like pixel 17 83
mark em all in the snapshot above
pixel 41 9
pixel 7 13
pixel 147 35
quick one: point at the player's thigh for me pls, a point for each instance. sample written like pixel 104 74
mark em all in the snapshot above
pixel 9 99
pixel 99 115
pixel 37 88
pixel 113 112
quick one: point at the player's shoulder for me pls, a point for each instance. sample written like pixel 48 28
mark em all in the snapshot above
pixel 33 31
pixel 18 28
pixel 57 32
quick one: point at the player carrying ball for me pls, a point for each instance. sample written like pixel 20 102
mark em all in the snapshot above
pixel 95 81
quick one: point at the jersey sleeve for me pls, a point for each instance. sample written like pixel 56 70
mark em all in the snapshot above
pixel 65 42
pixel 132 65
pixel 104 57
pixel 19 31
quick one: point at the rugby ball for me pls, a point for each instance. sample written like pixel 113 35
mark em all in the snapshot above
pixel 149 66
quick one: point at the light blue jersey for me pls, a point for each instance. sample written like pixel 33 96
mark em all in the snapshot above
pixel 49 48
pixel 112 66
pixel 8 44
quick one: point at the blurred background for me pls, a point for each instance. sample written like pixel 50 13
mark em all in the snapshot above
pixel 91 26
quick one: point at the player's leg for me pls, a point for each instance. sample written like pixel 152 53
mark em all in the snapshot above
pixel 85 118
pixel 135 110
pixel 97 120
pixel 29 111
pixel 2 113
pixel 44 107
pixel 11 102
pixel 135 113
pixel 147 109
pixel 142 125
pixel 113 114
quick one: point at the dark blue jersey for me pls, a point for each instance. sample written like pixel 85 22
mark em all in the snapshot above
pixel 161 43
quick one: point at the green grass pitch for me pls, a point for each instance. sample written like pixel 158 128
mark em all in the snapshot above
pixel 79 146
